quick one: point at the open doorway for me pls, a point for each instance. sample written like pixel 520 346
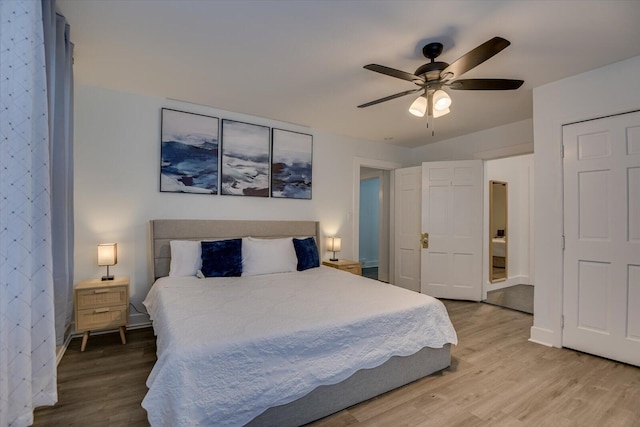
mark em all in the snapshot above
pixel 386 242
pixel 508 235
pixel 374 229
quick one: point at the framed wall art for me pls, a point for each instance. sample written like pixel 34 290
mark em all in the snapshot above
pixel 291 164
pixel 189 153
pixel 245 159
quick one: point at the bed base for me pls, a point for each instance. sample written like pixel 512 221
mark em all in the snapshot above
pixel 363 385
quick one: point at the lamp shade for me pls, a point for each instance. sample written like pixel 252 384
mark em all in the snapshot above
pixel 440 113
pixel 334 244
pixel 419 106
pixel 441 101
pixel 107 254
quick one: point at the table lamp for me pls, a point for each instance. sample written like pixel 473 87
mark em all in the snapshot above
pixel 333 245
pixel 107 255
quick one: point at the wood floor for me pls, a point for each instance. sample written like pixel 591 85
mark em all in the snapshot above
pixel 497 378
pixel 104 385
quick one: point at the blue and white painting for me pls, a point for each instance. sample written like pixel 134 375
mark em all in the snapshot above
pixel 189 153
pixel 245 159
pixel 291 164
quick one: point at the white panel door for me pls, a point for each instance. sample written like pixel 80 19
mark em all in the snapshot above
pixel 408 182
pixel 452 216
pixel 601 294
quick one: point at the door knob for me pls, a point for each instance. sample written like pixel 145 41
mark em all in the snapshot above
pixel 424 240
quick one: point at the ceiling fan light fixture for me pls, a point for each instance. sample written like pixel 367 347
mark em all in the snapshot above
pixel 441 101
pixel 419 106
pixel 440 113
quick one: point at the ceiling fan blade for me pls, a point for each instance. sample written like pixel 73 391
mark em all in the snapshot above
pixel 485 84
pixel 390 97
pixel 475 57
pixel 395 73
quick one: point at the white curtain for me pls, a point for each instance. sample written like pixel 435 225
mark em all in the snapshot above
pixel 27 331
pixel 59 66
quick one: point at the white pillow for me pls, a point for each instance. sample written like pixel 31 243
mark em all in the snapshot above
pixel 186 257
pixel 266 256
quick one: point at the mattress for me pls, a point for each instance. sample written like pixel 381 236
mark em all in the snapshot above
pixel 499 246
pixel 230 348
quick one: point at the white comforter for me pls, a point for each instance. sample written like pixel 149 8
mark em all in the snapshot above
pixel 229 348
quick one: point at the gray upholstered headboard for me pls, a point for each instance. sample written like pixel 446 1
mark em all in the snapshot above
pixel 165 230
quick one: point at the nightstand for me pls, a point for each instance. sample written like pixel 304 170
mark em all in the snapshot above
pixel 101 304
pixel 345 264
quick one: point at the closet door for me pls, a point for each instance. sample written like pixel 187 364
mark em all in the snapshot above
pixel 602 237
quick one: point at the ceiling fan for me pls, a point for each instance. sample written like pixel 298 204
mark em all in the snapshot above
pixel 432 77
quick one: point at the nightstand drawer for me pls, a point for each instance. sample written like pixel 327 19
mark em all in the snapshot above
pixel 345 265
pixel 353 268
pixel 101 297
pixel 101 318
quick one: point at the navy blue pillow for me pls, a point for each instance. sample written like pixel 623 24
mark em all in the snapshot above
pixel 222 258
pixel 307 253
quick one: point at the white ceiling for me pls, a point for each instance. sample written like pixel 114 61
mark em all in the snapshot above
pixel 301 61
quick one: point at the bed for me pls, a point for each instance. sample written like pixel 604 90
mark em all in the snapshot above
pixel 280 349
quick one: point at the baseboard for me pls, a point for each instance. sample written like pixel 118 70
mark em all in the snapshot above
pixel 130 327
pixel 143 322
pixel 60 350
pixel 542 336
pixel 138 319
pixel 511 281
pixel 524 280
pixel 139 326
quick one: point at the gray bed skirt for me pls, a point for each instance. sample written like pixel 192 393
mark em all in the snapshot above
pixel 363 385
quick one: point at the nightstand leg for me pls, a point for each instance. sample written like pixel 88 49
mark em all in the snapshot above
pixel 85 338
pixel 122 337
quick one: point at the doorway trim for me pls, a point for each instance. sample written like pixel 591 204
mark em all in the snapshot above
pixel 359 162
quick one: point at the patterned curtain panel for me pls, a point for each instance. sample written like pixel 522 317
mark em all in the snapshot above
pixel 59 66
pixel 27 332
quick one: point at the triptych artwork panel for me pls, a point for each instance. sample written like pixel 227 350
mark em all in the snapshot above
pixel 192 150
pixel 189 153
pixel 291 164
pixel 245 159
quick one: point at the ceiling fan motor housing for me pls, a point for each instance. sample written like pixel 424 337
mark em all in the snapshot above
pixel 431 71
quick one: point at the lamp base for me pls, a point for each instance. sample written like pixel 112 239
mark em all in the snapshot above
pixel 107 277
pixel 333 259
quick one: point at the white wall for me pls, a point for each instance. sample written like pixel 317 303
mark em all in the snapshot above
pixel 502 141
pixel 518 173
pixel 117 169
pixel 605 91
